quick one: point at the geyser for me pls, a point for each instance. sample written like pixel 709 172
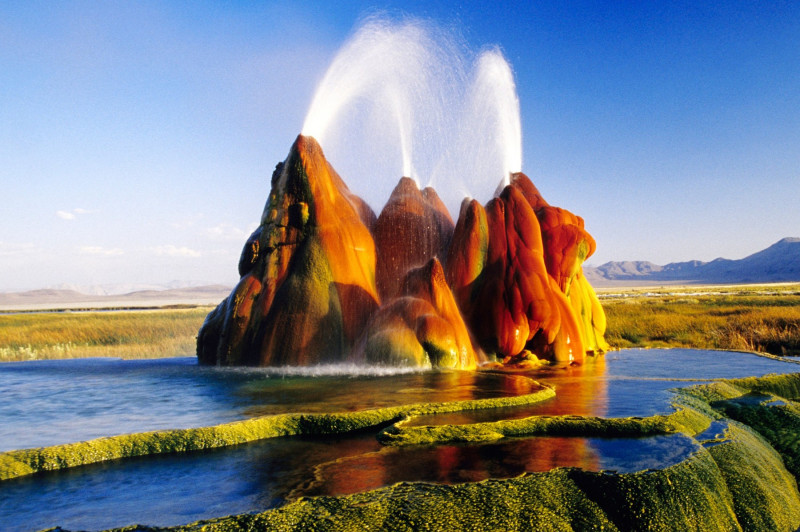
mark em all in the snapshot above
pixel 495 106
pixel 410 99
pixel 325 280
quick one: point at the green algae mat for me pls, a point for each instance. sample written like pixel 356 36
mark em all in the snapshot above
pixel 741 476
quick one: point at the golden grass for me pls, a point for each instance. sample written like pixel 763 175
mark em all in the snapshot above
pixel 123 334
pixel 741 319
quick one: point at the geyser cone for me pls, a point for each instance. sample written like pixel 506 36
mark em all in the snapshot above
pixel 421 327
pixel 567 245
pixel 308 272
pixel 496 268
pixel 413 227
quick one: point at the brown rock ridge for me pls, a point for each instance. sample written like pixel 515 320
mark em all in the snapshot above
pixel 413 227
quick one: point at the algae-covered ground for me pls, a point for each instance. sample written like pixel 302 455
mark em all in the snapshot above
pixel 742 474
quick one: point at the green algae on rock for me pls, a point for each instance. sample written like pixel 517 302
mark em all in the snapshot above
pixel 765 497
pixel 545 501
pixel 578 426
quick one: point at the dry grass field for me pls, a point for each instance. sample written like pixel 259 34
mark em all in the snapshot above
pixel 748 318
pixel 157 333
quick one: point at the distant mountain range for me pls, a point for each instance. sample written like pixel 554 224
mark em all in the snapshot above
pixel 114 289
pixel 778 263
pixel 59 298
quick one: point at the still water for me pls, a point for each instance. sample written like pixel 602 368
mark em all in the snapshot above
pixel 42 403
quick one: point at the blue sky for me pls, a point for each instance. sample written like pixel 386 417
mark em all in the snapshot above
pixel 137 139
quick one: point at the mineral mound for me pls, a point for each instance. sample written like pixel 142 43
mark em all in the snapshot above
pixel 323 280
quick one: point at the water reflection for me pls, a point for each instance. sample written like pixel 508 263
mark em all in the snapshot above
pixel 340 394
pixel 630 382
pixel 451 464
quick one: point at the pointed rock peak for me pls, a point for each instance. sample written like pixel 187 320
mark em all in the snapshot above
pixel 470 208
pixel 308 273
pixel 412 228
pixel 405 194
pixel 436 203
pixel 529 190
pixel 322 178
pixel 425 281
pixel 406 185
pixel 307 147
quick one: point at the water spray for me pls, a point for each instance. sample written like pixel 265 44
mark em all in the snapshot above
pixel 423 106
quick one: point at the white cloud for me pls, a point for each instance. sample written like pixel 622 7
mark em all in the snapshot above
pixel 98 250
pixel 175 251
pixel 9 249
pixel 187 222
pixel 225 253
pixel 70 215
pixel 226 231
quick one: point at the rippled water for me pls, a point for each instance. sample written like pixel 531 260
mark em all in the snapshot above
pixel 57 401
pixel 60 401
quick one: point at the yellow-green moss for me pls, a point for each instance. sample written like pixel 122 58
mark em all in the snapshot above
pixel 586 427
pixel 685 419
pixel 777 420
pixel 785 385
pixel 689 419
pixel 765 495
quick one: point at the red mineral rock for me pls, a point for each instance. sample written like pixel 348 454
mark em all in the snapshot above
pixel 567 245
pixel 413 227
pixel 496 268
pixel 421 327
pixel 308 273
pixel 314 272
